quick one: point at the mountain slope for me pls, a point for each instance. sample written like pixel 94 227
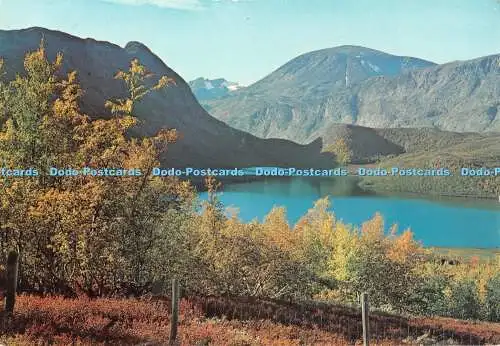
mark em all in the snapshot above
pixel 355 85
pixel 367 145
pixel 206 141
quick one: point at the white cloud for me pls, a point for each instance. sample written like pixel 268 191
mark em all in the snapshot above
pixel 176 4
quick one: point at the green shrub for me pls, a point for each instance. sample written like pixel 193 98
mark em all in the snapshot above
pixel 492 299
pixel 464 300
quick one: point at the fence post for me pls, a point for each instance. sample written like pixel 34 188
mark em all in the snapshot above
pixel 365 309
pixel 11 284
pixel 175 311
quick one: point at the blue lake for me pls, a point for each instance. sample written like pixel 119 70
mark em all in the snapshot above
pixel 442 223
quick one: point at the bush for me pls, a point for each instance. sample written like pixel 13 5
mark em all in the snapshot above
pixel 463 300
pixel 429 297
pixel 492 299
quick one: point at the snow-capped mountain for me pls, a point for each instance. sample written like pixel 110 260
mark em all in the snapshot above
pixel 211 89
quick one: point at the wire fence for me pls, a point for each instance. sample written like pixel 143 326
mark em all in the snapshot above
pixel 346 322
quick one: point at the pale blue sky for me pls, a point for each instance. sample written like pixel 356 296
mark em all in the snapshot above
pixel 245 40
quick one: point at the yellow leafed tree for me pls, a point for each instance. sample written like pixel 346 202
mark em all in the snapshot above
pixel 83 232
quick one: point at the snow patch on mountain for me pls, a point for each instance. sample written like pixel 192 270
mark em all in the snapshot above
pixel 374 67
pixel 209 89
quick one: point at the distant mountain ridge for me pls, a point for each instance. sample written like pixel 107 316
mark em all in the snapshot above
pixel 361 86
pixel 205 142
pixel 210 89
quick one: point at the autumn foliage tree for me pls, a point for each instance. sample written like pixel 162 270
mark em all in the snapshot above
pixel 84 232
pixel 341 150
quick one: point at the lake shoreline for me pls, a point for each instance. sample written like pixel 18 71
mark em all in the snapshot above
pixel 484 254
pixel 449 186
pixel 391 192
pixel 437 221
pixel 359 188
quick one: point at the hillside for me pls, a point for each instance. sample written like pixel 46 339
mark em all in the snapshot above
pixel 354 85
pixel 420 148
pixel 473 152
pixel 428 139
pixel 365 144
pixel 206 141
pixel 370 144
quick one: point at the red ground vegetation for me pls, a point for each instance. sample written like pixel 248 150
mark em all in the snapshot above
pixel 220 321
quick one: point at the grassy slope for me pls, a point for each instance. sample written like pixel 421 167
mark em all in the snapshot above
pixel 222 321
pixel 428 139
pixel 477 153
pixel 369 144
pixel 423 148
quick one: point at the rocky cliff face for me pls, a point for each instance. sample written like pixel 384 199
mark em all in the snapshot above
pixel 206 141
pixel 354 85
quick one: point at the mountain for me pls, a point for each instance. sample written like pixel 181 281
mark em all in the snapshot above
pixel 211 89
pixel 314 75
pixel 206 141
pixel 354 85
